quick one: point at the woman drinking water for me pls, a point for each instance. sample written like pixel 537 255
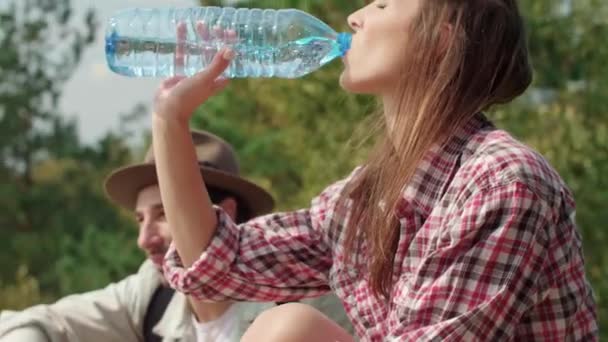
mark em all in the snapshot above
pixel 452 229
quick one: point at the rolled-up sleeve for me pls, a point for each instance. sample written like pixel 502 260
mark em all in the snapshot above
pixel 277 257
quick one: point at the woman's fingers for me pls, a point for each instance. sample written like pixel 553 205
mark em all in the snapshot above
pixel 180 95
pixel 180 48
pixel 202 31
pixel 219 84
pixel 218 33
pixel 231 37
pixel 218 65
pixel 171 82
pixel 206 46
pixel 186 93
pixel 191 92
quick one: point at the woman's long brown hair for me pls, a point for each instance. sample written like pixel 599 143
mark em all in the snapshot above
pixel 461 57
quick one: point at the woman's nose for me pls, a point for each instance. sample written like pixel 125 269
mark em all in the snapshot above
pixel 354 21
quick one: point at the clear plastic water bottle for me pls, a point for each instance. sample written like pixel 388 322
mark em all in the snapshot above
pixel 285 43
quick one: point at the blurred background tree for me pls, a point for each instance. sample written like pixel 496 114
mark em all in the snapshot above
pixel 53 214
pixel 292 136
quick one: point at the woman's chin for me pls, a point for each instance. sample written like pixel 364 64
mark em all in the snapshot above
pixel 351 85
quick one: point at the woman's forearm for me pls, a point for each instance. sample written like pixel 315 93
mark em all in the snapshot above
pixel 189 212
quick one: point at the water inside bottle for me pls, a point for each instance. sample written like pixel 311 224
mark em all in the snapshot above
pixel 152 58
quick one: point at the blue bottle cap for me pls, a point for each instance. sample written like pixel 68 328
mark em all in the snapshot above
pixel 344 40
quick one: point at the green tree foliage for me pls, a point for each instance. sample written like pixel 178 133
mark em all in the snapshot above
pixel 53 214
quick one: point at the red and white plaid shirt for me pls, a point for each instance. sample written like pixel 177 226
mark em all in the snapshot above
pixel 488 251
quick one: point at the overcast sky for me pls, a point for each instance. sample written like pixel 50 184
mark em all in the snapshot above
pixel 94 94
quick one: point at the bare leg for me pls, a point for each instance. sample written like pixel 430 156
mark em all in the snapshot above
pixel 295 322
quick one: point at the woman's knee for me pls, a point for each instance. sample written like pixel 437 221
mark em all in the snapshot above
pixel 294 322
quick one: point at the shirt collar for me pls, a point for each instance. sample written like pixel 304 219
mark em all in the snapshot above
pixel 439 166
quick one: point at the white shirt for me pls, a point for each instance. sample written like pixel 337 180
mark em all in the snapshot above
pixel 226 328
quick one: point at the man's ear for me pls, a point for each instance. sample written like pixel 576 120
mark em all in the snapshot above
pixel 230 206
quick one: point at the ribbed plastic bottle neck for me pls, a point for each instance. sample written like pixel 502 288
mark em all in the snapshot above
pixel 344 40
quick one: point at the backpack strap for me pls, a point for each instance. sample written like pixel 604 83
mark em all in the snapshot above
pixel 155 311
